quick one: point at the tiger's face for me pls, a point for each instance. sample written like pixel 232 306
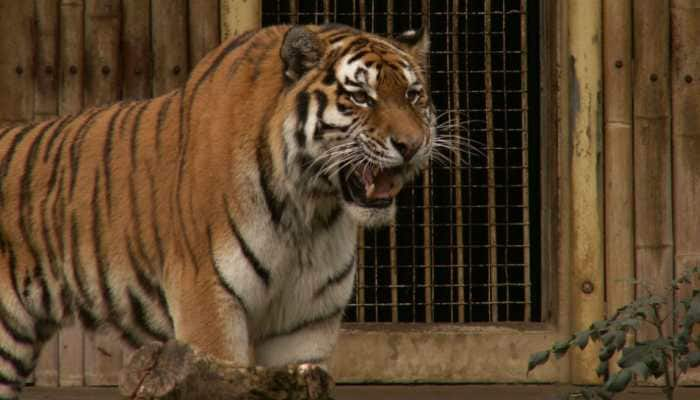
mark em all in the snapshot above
pixel 369 123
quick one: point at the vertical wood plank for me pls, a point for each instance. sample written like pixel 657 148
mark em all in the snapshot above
pixel 46 106
pixel 203 27
pixel 238 16
pixel 170 60
pixel 46 96
pixel 103 354
pixel 136 49
pixel 70 339
pixel 619 170
pixel 652 147
pixel 587 271
pixel 685 87
pixel 17 61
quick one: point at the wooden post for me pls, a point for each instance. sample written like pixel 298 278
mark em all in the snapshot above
pixel 238 16
pixel 587 301
pixel 17 61
pixel 70 339
pixel 103 354
pixel 136 49
pixel 46 106
pixel 204 28
pixel 685 86
pixel 170 60
pixel 619 170
pixel 652 147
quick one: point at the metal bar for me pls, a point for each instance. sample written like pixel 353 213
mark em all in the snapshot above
pixel 506 135
pixel 361 232
pixel 293 11
pixel 526 162
pixel 392 228
pixel 457 161
pixel 488 84
pixel 427 243
pixel 326 11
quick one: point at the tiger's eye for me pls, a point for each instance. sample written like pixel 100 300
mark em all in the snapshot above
pixel 360 97
pixel 412 95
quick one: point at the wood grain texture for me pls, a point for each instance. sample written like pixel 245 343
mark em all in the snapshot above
pixel 652 146
pixel 136 49
pixel 619 155
pixel 170 59
pixel 587 258
pixel 238 16
pixel 17 61
pixel 204 32
pixel 685 107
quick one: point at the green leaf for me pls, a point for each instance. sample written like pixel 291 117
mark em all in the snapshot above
pixel 634 354
pixel 581 339
pixel 602 369
pixel 598 325
pixel 619 341
pixel 605 353
pixel 608 337
pixel 560 348
pixel 536 359
pixel 619 381
pixel 641 370
pixel 693 359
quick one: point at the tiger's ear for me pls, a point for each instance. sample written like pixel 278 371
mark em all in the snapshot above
pixel 301 51
pixel 417 44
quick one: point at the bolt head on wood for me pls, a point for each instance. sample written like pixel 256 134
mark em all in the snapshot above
pixel 73 69
pixel 587 287
pixel 19 70
pixel 618 64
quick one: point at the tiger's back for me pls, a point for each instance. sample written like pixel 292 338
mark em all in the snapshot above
pixel 222 214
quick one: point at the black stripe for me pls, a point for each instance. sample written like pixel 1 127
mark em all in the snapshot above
pixel 12 383
pixel 336 279
pixel 160 120
pixel 322 101
pixel 58 214
pixel 75 149
pixel 8 323
pixel 79 276
pixel 307 323
pixel 138 310
pixel 107 155
pixel 261 271
pixel 274 206
pixel 19 366
pixel 7 159
pixel 25 218
pixel 134 134
pixel 231 291
pixel 4 131
pixel 302 114
pixel 100 258
pixel 154 220
pixel 12 261
pixel 329 78
pixel 55 135
pixel 357 56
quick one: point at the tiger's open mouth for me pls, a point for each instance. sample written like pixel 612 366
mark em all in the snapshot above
pixel 371 186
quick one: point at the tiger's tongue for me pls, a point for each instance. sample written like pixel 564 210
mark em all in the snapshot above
pixel 380 186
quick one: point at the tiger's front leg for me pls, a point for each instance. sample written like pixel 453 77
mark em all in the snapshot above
pixel 208 318
pixel 311 343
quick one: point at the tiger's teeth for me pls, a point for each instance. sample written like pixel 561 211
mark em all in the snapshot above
pixel 369 190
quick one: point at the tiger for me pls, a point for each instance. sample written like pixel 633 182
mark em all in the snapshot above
pixel 223 214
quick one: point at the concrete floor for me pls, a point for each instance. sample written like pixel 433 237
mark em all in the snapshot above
pixel 344 392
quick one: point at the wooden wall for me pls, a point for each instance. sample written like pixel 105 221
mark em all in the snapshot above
pixel 58 57
pixel 651 63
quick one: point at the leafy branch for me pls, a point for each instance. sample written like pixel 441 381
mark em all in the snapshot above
pixel 667 355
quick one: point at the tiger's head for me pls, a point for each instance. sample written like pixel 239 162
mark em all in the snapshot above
pixel 362 120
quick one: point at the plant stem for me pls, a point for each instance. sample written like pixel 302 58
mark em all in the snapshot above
pixel 668 360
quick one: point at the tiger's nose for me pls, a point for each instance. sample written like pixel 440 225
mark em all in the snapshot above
pixel 406 147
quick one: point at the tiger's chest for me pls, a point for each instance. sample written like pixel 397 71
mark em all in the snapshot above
pixel 287 280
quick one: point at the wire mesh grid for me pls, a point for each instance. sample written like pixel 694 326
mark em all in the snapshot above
pixel 460 249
